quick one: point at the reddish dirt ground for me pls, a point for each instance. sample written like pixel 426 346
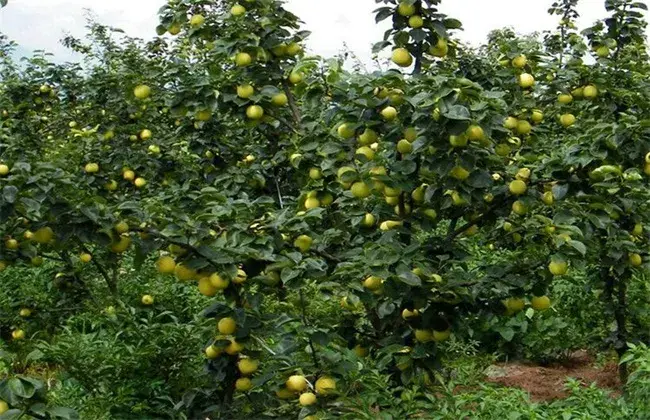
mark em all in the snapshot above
pixel 545 383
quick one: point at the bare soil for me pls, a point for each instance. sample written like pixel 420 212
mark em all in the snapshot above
pixel 546 383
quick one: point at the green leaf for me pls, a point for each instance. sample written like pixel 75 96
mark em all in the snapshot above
pixel 559 191
pixel 418 35
pixel 385 309
pixel 480 179
pixel 34 355
pixel 321 338
pixel 14 413
pixel 3 3
pixel 578 246
pixel 38 408
pixel 453 24
pixel 380 46
pixel 9 193
pixel 506 332
pixel 287 274
pixel 20 388
pixel 383 14
pixel 456 112
pixel 409 278
pixel 63 413
pixel 405 167
pixel 419 98
pixel 529 313
pixel 262 379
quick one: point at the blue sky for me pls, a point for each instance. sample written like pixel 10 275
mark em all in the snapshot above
pixel 40 24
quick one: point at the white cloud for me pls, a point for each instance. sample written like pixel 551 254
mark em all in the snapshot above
pixel 40 24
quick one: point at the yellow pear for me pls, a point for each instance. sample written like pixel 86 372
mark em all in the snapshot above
pixel 475 133
pixel 227 326
pixel 537 116
pixel 567 120
pixel 440 49
pixel 517 187
pixel 365 151
pixel 197 20
pixel 402 57
pixel 142 91
pixel 245 91
pixel 373 283
pixel 303 243
pixel 368 220
pixel 325 385
pixel 296 383
pixel 405 9
pixel 243 59
pixel 237 10
pixel 423 336
pixel 404 147
pixel 307 398
pixel 389 113
pixel 345 131
pixel 558 267
pixel 166 265
pixel 540 303
pixel 360 190
pixel 523 128
pixel 280 99
pixel 247 366
pixel 635 259
pixel 184 273
pixel 439 336
pixel 519 61
pixel 255 112
pixel 510 123
pixel 243 384
pixel 590 92
pixel 526 80
pixel 416 22
pixel 368 137
pixel 389 225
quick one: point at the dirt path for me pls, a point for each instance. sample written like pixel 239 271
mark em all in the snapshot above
pixel 545 383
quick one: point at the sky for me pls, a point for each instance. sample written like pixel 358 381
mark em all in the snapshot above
pixel 40 24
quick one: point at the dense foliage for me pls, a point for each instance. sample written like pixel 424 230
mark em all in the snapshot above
pixel 216 224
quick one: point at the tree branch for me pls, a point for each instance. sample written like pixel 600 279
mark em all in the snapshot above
pixel 295 112
pixel 417 69
pixel 454 233
pixel 193 250
pixel 306 323
pixel 277 187
pixel 284 122
pixel 451 228
pixel 68 262
pixel 620 313
pixel 112 287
